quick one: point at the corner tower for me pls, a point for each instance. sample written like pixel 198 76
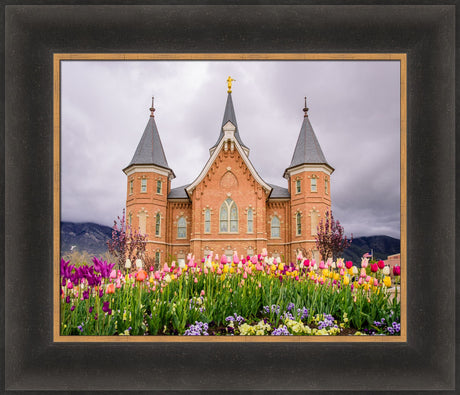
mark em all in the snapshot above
pixel 309 180
pixel 148 184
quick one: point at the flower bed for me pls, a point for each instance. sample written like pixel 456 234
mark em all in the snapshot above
pixel 252 296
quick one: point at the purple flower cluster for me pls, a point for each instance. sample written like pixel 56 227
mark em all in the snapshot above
pixel 379 323
pixel 92 274
pixel 394 328
pixel 287 316
pixel 273 309
pixel 281 331
pixel 106 308
pixel 199 329
pixel 327 322
pixel 235 317
pixel 303 313
pixel 290 306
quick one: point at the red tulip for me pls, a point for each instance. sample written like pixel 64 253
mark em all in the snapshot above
pixel 397 270
pixel 348 264
pixel 381 264
pixel 374 268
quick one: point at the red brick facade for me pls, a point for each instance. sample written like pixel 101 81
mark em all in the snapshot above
pixel 196 223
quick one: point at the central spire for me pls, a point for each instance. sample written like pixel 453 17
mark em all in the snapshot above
pixel 229 116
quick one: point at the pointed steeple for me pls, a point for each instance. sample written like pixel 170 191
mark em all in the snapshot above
pixel 307 150
pixel 150 151
pixel 229 116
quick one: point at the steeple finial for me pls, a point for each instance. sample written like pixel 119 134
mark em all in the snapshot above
pixel 305 110
pixel 152 110
pixel 229 83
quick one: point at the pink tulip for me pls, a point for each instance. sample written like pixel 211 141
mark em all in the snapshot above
pixel 157 275
pixel 264 252
pixel 113 274
pixel 205 270
pixel 306 262
pixel 219 271
pixel 195 280
pixel 166 268
pixel 236 260
pixel 69 285
pixel 363 272
pixel 342 271
pixel 223 259
pixel 360 281
pixel 368 278
pixel 245 275
pixel 322 265
pixel 376 282
pixel 202 292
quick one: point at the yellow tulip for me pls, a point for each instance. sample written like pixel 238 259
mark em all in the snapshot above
pixel 226 269
pixel 387 281
pixel 346 280
pixel 336 276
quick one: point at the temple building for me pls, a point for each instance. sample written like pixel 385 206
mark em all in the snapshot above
pixel 228 207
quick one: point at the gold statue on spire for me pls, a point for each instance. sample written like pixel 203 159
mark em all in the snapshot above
pixel 229 83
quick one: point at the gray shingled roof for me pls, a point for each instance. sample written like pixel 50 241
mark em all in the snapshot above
pixel 279 192
pixel 307 149
pixel 178 193
pixel 150 150
pixel 229 115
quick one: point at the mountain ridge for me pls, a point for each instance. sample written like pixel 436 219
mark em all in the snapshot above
pixel 92 238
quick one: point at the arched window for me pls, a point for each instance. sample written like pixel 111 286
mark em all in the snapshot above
pixel 207 221
pixel 228 217
pixel 275 227
pixel 181 228
pixel 157 224
pixel 299 224
pixel 250 221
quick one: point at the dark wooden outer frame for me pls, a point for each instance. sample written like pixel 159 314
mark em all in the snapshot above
pixel 35 362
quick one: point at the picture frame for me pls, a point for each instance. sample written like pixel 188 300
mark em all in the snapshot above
pixel 36 362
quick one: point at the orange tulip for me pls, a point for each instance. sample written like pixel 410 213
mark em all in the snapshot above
pixel 110 289
pixel 141 275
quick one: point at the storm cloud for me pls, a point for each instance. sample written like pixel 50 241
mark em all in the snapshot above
pixel 354 110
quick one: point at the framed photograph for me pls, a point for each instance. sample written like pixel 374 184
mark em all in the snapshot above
pixel 84 85
pixel 189 229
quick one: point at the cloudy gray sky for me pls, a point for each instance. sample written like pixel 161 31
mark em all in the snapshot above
pixel 354 111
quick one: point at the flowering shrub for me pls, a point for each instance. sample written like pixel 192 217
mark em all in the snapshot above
pixel 255 295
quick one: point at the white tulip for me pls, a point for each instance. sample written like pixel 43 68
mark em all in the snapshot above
pixel 386 270
pixel 128 264
pixel 139 263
